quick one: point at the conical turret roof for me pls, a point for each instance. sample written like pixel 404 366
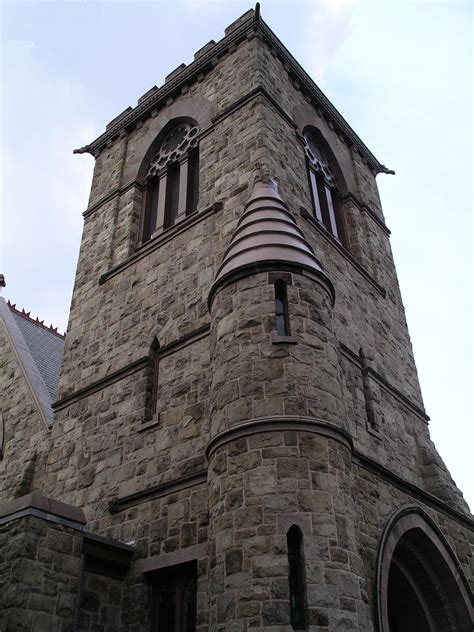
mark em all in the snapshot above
pixel 266 233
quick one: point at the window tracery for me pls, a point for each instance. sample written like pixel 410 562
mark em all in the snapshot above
pixel 323 185
pixel 172 181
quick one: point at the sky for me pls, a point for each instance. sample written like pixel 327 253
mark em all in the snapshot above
pixel 399 72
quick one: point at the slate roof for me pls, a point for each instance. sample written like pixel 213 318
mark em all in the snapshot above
pixel 46 346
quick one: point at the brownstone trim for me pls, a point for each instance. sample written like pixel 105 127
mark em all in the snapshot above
pixel 184 341
pixel 362 206
pixel 416 492
pixel 345 253
pixel 130 369
pixel 37 504
pixel 258 267
pixel 134 184
pixel 259 91
pixel 106 557
pixel 102 383
pixel 384 383
pixel 155 243
pixel 282 423
pixel 158 562
pixel 278 423
pixel 157 491
pixel 404 519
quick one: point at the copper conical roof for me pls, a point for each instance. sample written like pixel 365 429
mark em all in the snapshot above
pixel 266 233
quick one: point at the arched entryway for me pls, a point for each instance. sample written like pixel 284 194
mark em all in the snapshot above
pixel 420 585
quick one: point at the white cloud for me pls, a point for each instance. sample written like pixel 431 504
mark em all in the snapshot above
pixel 329 24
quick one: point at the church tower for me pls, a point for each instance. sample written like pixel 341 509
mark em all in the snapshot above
pixel 239 404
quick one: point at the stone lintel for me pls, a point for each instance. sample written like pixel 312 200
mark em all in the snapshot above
pixel 159 562
pixel 107 557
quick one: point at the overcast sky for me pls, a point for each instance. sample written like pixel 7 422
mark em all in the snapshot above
pixel 399 72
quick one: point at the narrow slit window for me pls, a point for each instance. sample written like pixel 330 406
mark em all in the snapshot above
pixel 281 309
pixel 296 580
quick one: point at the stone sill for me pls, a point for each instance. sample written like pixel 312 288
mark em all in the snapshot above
pixel 278 340
pixel 148 425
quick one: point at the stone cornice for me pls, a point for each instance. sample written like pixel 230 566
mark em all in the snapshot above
pixel 253 24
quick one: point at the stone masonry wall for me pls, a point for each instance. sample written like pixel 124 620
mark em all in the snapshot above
pixel 40 565
pixel 26 437
pixel 105 449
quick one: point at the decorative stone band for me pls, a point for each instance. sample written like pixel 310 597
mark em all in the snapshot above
pixel 267 235
pixel 412 519
pixel 279 423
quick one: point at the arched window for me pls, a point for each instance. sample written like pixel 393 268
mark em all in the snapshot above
pixel 172 181
pixel 296 579
pixel 323 185
pixel 282 321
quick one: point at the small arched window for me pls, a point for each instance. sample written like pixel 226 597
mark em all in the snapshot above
pixel 296 579
pixel 172 181
pixel 323 185
pixel 282 321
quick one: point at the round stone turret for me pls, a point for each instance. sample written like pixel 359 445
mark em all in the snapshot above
pixel 279 452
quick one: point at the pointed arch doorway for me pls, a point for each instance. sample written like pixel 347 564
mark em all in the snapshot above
pixel 420 585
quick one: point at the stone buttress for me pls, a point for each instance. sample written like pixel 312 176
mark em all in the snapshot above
pixel 279 453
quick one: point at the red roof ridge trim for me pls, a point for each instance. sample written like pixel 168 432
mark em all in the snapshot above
pixel 36 321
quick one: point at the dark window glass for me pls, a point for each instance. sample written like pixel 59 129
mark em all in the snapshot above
pixel 174 599
pixel 294 540
pixel 172 195
pixel 193 182
pixel 281 309
pixel 151 207
pixel 323 186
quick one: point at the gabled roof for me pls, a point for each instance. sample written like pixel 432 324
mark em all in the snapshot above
pixel 46 346
pixel 39 350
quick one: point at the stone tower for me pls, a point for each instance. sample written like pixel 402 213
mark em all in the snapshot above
pixel 239 408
